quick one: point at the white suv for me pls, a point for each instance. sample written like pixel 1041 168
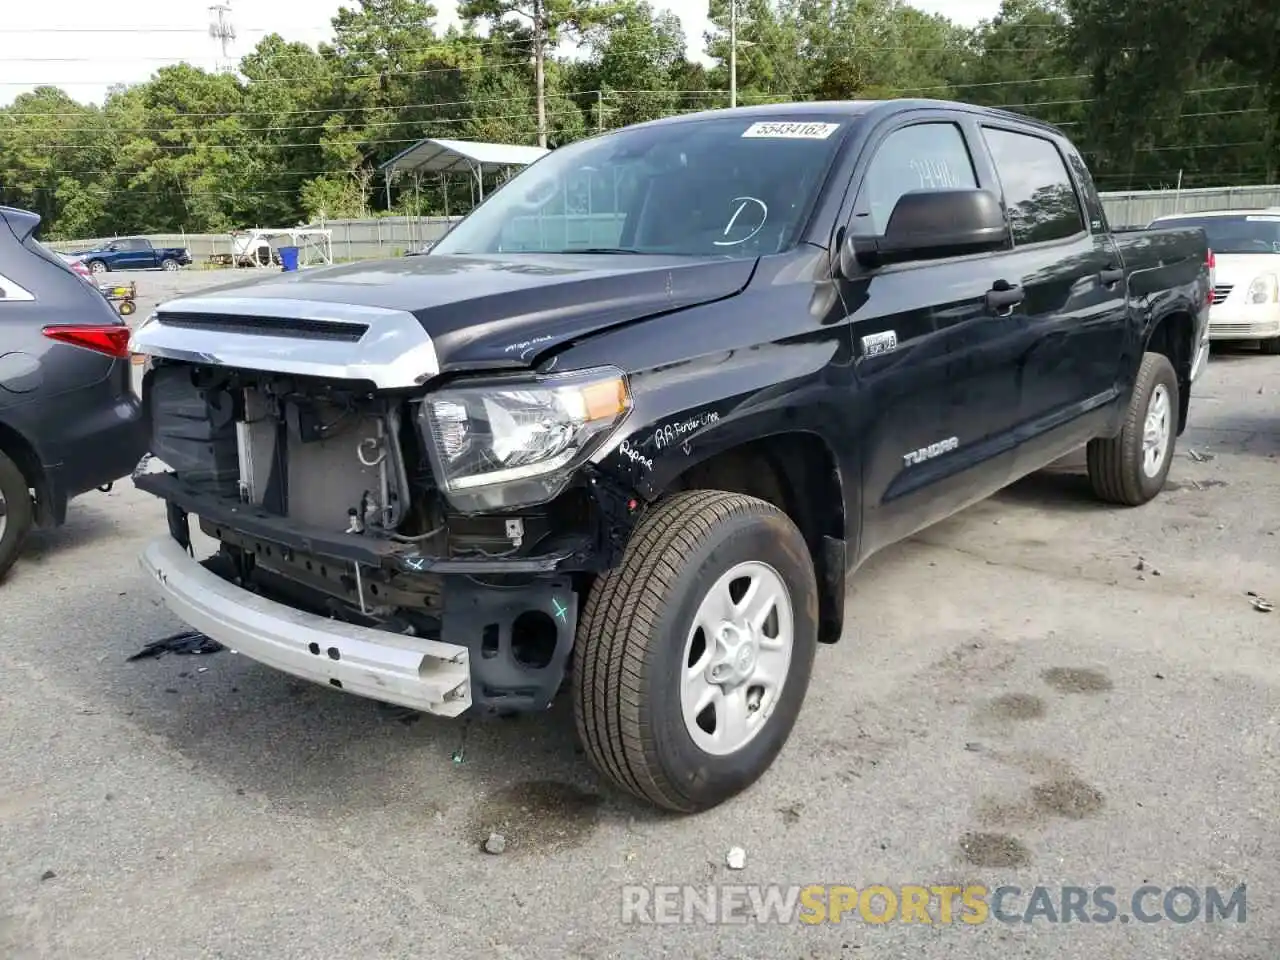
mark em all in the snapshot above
pixel 1246 292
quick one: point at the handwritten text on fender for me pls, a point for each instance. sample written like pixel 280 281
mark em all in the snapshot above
pixel 674 433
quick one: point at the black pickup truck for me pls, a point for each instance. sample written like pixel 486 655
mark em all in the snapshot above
pixel 632 423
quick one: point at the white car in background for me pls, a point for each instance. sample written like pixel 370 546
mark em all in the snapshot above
pixel 1246 291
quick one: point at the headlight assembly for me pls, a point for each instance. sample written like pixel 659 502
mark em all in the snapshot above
pixel 1262 290
pixel 507 443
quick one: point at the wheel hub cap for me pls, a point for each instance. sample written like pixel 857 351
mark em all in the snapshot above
pixel 1155 430
pixel 736 658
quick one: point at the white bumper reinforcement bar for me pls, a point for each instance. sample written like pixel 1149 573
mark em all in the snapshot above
pixel 414 672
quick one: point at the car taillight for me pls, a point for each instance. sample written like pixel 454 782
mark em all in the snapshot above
pixel 1212 263
pixel 111 340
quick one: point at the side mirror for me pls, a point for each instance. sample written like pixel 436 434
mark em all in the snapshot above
pixel 930 224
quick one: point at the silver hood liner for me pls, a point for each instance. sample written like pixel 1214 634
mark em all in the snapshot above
pixel 388 348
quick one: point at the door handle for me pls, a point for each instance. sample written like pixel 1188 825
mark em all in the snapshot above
pixel 1003 298
pixel 1111 275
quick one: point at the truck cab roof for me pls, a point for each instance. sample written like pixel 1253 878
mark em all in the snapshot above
pixel 876 109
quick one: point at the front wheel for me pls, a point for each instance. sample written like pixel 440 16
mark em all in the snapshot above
pixel 693 656
pixel 168 264
pixel 1131 468
pixel 97 267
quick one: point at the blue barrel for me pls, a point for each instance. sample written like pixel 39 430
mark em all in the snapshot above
pixel 289 258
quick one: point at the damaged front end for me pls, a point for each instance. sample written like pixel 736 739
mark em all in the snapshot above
pixel 419 544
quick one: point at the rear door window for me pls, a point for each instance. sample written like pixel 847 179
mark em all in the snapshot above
pixel 923 156
pixel 1038 192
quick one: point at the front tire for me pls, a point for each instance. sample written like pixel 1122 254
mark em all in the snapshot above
pixel 168 264
pixel 16 513
pixel 693 656
pixel 97 267
pixel 1131 468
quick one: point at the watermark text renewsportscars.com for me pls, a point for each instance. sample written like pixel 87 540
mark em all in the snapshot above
pixel 932 904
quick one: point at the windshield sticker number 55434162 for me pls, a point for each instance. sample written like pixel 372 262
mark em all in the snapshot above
pixel 791 131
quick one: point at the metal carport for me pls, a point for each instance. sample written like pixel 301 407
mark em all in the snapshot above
pixel 443 157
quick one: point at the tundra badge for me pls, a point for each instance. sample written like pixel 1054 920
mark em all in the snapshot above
pixel 931 451
pixel 883 342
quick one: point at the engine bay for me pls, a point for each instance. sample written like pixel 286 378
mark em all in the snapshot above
pixel 335 471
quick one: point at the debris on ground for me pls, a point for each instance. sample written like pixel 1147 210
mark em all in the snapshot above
pixel 47 875
pixel 791 813
pixel 460 754
pixel 737 858
pixel 188 642
pixel 496 844
pixel 1199 457
pixel 1261 605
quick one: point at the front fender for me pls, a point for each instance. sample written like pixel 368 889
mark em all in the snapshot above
pixel 686 412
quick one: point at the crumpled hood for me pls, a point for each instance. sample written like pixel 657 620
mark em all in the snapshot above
pixel 500 310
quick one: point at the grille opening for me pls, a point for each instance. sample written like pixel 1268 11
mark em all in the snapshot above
pixel 343 331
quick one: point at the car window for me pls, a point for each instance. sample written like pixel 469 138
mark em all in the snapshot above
pixel 1038 192
pixel 129 245
pixel 1245 233
pixel 721 187
pixel 12 292
pixel 923 156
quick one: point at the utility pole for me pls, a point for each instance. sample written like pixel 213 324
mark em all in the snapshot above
pixel 222 30
pixel 539 60
pixel 733 53
pixel 600 111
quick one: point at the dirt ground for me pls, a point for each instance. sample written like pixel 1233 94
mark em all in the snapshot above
pixel 1040 691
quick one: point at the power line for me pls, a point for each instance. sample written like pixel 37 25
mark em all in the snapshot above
pixel 461 45
pixel 322 125
pixel 99 111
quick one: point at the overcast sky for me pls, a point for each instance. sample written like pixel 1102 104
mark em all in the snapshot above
pixel 124 41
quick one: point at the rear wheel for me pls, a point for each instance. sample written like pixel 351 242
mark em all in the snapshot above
pixel 693 656
pixel 16 514
pixel 1131 468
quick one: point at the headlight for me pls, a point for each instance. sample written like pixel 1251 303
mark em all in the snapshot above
pixel 1262 290
pixel 502 444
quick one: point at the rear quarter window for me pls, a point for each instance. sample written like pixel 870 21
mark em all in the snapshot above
pixel 1038 192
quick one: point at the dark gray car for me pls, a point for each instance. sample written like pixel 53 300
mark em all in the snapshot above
pixel 69 420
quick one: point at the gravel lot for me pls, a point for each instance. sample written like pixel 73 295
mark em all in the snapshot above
pixel 1040 691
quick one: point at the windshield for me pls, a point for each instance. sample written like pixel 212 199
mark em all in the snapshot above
pixel 718 187
pixel 1246 233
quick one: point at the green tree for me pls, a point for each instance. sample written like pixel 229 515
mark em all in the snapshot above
pixel 1148 64
pixel 541 24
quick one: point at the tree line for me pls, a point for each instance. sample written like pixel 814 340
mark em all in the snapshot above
pixel 1155 92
